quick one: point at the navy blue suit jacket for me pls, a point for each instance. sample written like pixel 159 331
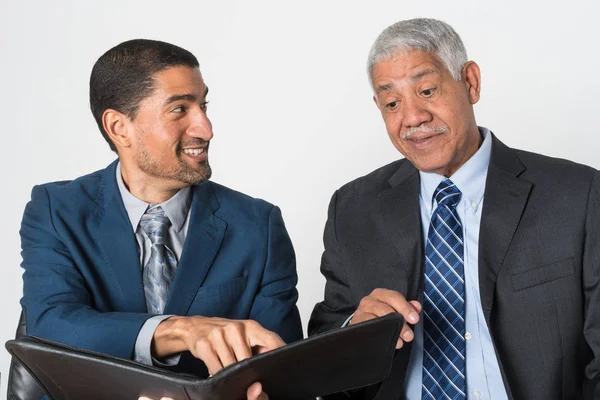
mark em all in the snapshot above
pixel 82 284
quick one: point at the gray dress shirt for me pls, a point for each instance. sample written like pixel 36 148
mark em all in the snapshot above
pixel 177 209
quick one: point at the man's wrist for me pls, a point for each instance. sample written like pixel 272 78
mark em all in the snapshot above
pixel 169 336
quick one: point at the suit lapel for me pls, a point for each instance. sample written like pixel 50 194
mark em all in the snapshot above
pixel 117 240
pixel 401 219
pixel 203 240
pixel 504 202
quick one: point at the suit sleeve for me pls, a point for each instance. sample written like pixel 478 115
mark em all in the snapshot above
pixel 591 285
pixel 338 303
pixel 56 301
pixel 274 305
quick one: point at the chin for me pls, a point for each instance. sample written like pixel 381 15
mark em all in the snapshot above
pixel 196 176
pixel 429 167
pixel 439 165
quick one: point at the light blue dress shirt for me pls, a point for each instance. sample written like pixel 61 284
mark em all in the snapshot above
pixel 177 209
pixel 484 380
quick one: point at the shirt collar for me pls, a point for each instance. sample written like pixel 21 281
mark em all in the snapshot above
pixel 470 177
pixel 176 208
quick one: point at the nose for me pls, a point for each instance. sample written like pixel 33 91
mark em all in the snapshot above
pixel 415 113
pixel 200 126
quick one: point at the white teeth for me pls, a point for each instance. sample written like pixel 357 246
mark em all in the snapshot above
pixel 193 152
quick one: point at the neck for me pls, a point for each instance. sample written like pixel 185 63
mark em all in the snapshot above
pixel 150 189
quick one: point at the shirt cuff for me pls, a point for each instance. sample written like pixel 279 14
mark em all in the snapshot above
pixel 345 324
pixel 143 344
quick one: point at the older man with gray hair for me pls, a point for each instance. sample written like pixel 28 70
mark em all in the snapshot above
pixel 491 254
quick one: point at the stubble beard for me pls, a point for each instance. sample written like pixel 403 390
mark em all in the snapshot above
pixel 182 172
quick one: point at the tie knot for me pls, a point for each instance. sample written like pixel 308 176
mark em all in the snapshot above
pixel 447 193
pixel 155 224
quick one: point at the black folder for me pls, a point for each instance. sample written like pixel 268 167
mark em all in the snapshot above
pixel 335 361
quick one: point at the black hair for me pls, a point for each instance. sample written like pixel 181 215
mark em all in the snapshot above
pixel 124 76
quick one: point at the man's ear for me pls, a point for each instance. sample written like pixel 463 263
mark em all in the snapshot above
pixel 472 78
pixel 376 102
pixel 115 125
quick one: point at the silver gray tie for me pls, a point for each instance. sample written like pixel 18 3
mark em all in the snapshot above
pixel 159 271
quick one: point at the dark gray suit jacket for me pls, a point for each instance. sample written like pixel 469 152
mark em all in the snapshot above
pixel 539 267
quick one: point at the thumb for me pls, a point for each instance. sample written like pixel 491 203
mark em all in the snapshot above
pixel 254 391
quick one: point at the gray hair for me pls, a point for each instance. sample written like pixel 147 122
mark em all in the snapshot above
pixel 430 35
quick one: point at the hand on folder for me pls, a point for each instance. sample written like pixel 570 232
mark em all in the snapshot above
pixel 384 301
pixel 254 393
pixel 317 366
pixel 218 342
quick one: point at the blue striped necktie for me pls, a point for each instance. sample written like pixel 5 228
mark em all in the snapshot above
pixel 160 268
pixel 444 300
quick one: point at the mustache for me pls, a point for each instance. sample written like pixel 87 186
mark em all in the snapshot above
pixel 425 129
pixel 195 142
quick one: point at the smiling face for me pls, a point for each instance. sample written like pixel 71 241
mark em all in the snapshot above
pixel 170 133
pixel 427 113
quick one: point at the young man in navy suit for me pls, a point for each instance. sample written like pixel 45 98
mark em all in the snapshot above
pixel 147 259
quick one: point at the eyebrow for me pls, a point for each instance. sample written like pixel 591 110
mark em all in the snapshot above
pixel 422 74
pixel 413 78
pixel 383 88
pixel 188 97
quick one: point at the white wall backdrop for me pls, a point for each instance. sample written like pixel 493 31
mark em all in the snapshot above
pixel 290 101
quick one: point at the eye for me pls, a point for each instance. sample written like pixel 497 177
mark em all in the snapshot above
pixel 179 109
pixel 428 92
pixel 204 106
pixel 391 105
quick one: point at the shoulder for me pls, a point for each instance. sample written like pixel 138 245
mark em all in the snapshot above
pixel 76 191
pixel 371 184
pixel 558 172
pixel 67 201
pixel 242 206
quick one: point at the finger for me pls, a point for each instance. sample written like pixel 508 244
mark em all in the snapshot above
pixel 271 340
pixel 374 306
pixel 417 306
pixel 407 334
pixel 205 352
pixel 370 307
pixel 361 317
pixel 147 398
pixel 398 302
pixel 254 391
pixel 259 350
pixel 259 336
pixel 237 340
pixel 224 352
pixel 399 343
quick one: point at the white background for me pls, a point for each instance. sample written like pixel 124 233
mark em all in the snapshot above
pixel 290 101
